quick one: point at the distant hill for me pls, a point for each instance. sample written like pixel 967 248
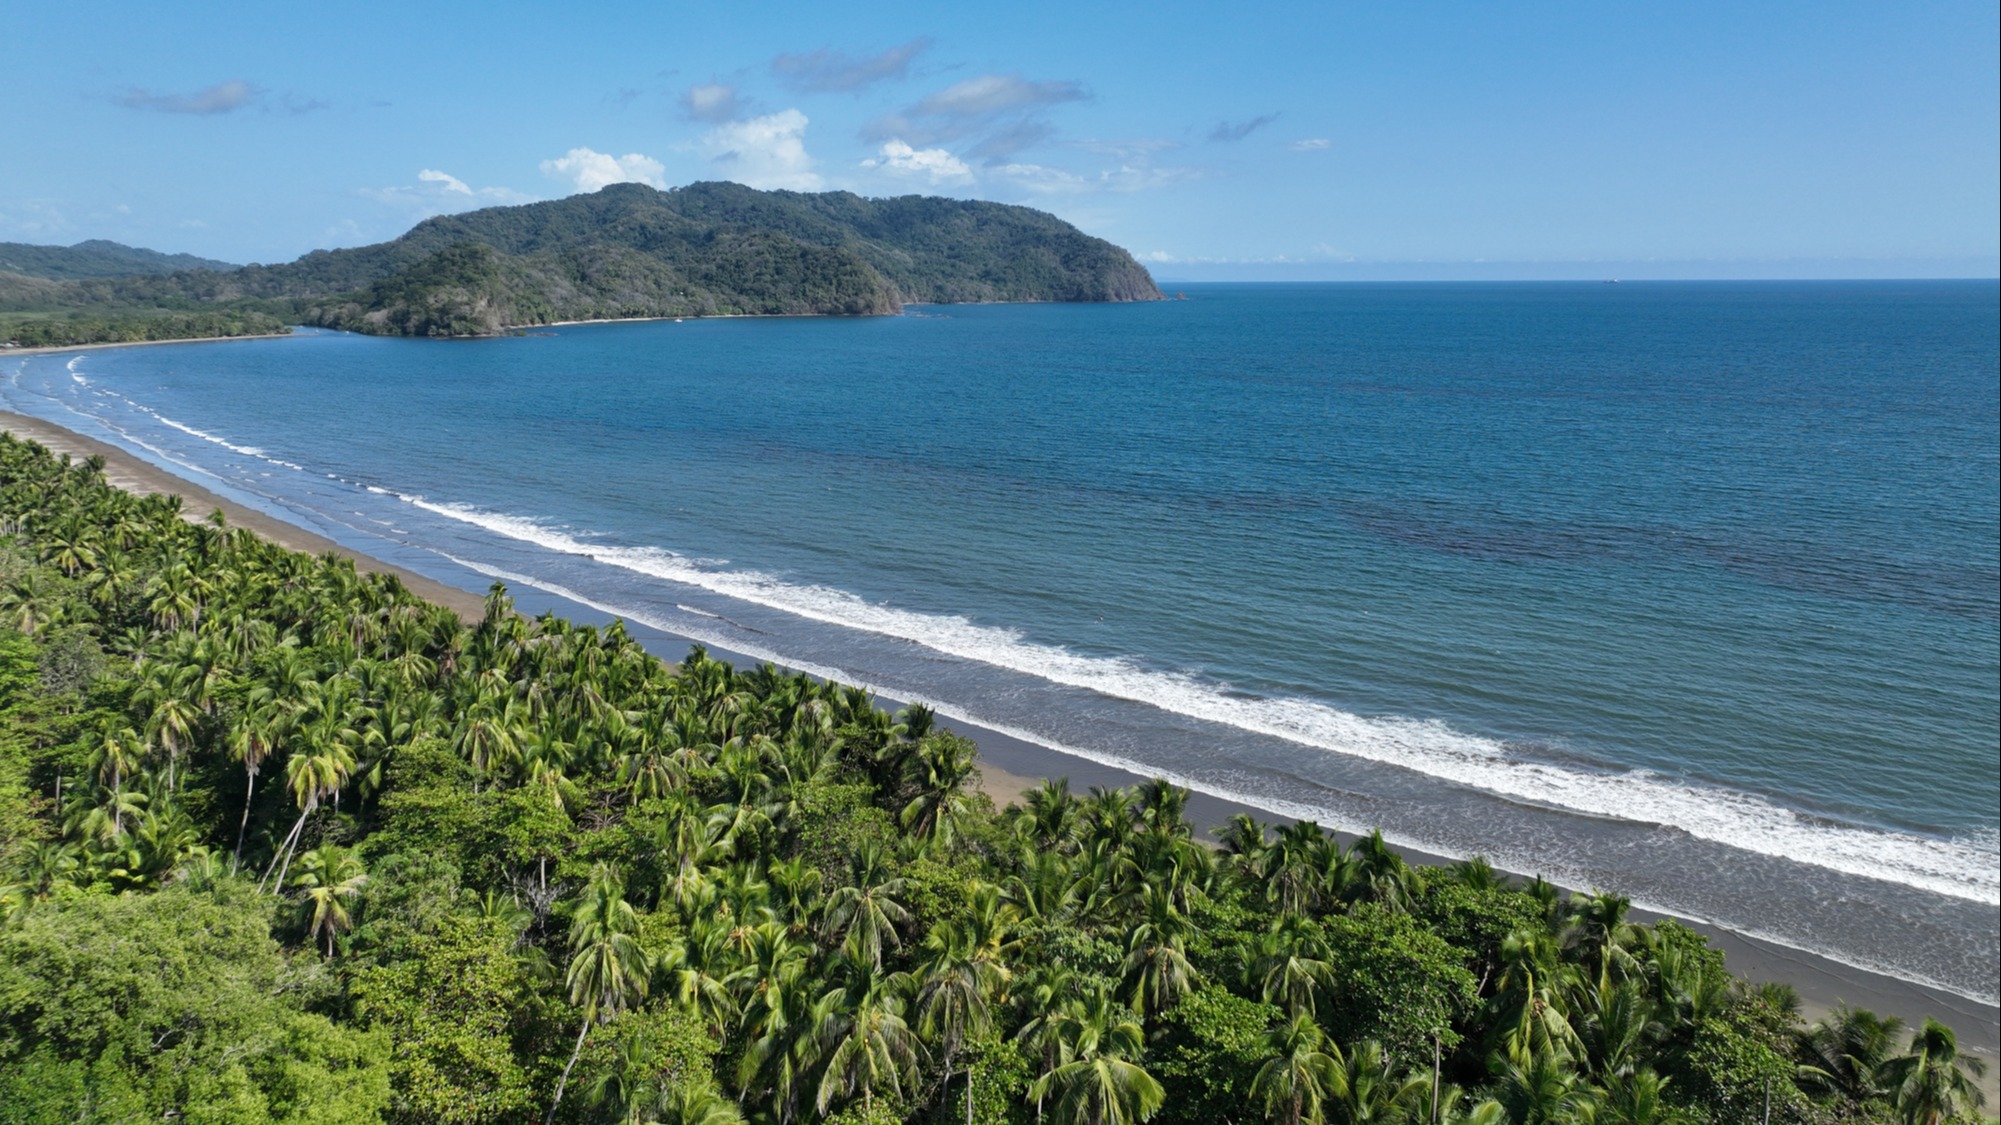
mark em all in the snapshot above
pixel 97 258
pixel 629 250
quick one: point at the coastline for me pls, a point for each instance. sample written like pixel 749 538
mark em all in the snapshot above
pixel 1009 765
pixel 143 344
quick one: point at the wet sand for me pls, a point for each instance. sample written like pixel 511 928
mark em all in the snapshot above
pixel 1010 766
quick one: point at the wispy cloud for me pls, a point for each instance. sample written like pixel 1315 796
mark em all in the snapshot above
pixel 1311 144
pixel 991 94
pixel 1139 148
pixel 1002 113
pixel 587 170
pixel 828 71
pixel 764 152
pixel 1230 132
pixel 223 97
pixel 712 102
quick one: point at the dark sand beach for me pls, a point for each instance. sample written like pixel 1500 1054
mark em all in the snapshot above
pixel 1010 766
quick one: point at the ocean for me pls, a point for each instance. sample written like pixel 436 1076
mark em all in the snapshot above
pixel 1688 590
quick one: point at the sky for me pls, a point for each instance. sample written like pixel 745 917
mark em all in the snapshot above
pixel 1276 141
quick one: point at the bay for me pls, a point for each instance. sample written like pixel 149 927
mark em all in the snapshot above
pixel 1685 589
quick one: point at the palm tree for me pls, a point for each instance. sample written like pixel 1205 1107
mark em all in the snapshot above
pixel 314 772
pixel 1098 1080
pixel 608 966
pixel 943 767
pixel 1543 1090
pixel 1848 1049
pixel 1304 1071
pixel 1928 1083
pixel 1157 972
pixel 961 971
pixel 1369 1093
pixel 251 739
pixel 865 913
pixel 1291 964
pixel 1534 1018
pixel 331 877
pixel 119 754
pixel 689 1104
pixel 863 1036
pixel 1636 1099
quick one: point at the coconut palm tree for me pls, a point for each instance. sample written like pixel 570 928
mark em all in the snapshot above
pixel 1156 972
pixel 1846 1051
pixel 942 769
pixel 1098 1079
pixel 609 968
pixel 862 1034
pixel 865 913
pixel 1928 1083
pixel 330 877
pixel 1304 1071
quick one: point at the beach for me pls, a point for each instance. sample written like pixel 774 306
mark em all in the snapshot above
pixel 1011 765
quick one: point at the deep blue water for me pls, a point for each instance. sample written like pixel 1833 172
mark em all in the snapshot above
pixel 1686 588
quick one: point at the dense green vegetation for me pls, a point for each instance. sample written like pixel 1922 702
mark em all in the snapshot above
pixel 280 842
pixel 707 249
pixel 131 326
pixel 97 258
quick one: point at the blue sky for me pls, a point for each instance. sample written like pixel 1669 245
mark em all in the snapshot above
pixel 1215 141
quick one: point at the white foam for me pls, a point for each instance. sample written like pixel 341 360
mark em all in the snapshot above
pixel 1958 868
pixel 244 450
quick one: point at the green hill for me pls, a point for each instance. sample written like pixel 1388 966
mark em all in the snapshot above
pixel 97 258
pixel 630 251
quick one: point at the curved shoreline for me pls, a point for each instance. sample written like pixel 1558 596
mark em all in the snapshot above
pixel 1011 764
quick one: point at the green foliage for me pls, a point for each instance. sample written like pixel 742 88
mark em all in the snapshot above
pixel 1396 982
pixel 133 326
pixel 178 1003
pixel 1733 1066
pixel 455 1005
pixel 1210 1054
pixel 998 1074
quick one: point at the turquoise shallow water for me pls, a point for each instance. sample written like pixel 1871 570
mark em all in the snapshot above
pixel 1685 588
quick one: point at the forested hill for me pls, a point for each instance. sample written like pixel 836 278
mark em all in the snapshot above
pixel 97 258
pixel 702 250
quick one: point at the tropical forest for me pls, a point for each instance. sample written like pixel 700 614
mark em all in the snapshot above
pixel 280 842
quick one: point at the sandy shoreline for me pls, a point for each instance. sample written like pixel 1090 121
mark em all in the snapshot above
pixel 1009 766
pixel 4 352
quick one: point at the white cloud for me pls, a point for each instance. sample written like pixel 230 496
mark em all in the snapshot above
pixel 450 182
pixel 764 152
pixel 1311 144
pixel 441 193
pixel 588 170
pixel 936 164
pixel 712 102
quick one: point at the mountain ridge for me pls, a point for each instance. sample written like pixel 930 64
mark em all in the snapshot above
pixel 628 250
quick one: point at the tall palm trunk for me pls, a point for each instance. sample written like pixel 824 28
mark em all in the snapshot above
pixel 285 849
pixel 565 1079
pixel 249 791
